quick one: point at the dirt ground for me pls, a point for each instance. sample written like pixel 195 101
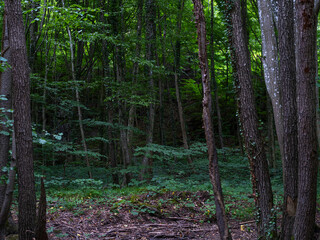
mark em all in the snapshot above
pixel 141 218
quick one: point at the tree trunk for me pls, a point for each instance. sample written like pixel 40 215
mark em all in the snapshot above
pixel 271 143
pixel 306 105
pixel 271 63
pixel 83 138
pixel 150 6
pixel 214 82
pixel 207 122
pixel 5 91
pixel 289 110
pixel 177 78
pixel 249 120
pixel 22 120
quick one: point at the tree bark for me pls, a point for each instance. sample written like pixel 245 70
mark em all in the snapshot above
pixel 249 120
pixel 22 121
pixel 207 122
pixel 306 105
pixel 289 110
pixel 271 63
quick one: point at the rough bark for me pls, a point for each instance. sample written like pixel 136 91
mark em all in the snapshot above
pixel 288 103
pixel 306 105
pixel 22 121
pixel 207 122
pixel 249 121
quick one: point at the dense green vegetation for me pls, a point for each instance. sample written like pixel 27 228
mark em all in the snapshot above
pixel 116 111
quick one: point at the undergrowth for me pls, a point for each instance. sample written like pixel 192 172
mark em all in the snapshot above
pixel 68 187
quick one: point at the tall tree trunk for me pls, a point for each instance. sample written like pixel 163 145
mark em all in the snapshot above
pixel 150 7
pixel 249 120
pixel 135 73
pixel 213 80
pixel 207 122
pixel 5 91
pixel 271 63
pixel 73 72
pixel 22 120
pixel 306 105
pixel 177 74
pixel 289 110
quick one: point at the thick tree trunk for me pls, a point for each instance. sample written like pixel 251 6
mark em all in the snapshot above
pixel 22 120
pixel 289 110
pixel 306 104
pixel 207 122
pixel 249 120
pixel 271 63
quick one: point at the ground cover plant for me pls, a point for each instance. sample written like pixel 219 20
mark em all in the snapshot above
pixel 177 203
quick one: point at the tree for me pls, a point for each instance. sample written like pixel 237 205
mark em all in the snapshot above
pixel 6 190
pixel 289 119
pixel 306 106
pixel 236 15
pixel 213 78
pixel 150 8
pixel 177 76
pixel 270 62
pixel 207 122
pixel 22 120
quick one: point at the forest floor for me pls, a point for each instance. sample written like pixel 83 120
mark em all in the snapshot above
pixel 168 215
pixel 152 215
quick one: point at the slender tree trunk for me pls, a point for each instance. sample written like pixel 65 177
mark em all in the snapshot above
pixel 83 138
pixel 111 148
pixel 5 91
pixel 306 104
pixel 207 122
pixel 22 120
pixel 135 72
pixel 289 110
pixel 249 120
pixel 150 55
pixel 177 78
pixel 214 82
